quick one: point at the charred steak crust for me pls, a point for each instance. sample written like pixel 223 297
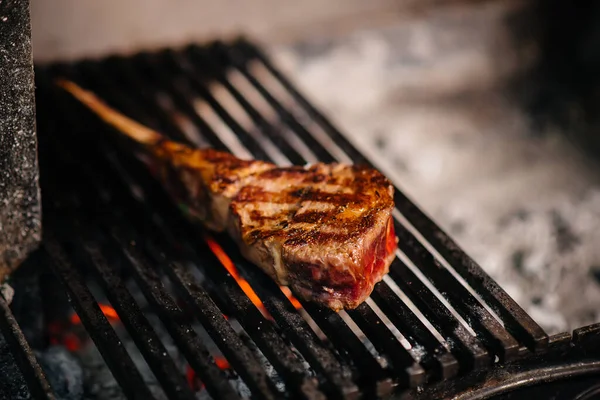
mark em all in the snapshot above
pixel 322 229
pixel 203 181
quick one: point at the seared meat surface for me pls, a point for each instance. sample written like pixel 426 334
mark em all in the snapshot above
pixel 321 229
pixel 324 230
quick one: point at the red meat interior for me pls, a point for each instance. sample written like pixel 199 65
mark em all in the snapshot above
pixel 335 284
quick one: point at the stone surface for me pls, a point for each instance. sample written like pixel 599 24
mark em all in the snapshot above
pixel 20 227
pixel 432 102
pixel 12 383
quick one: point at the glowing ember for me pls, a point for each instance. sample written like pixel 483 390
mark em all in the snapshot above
pixel 55 328
pixel 230 267
pixel 59 334
pixel 222 363
pixel 107 310
pixel 194 382
pixel 65 332
pixel 71 342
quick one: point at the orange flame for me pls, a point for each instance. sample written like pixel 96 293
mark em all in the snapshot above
pixel 230 267
pixel 244 285
pixel 107 310
pixel 288 293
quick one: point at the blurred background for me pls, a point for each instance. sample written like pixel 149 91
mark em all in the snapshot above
pixel 483 111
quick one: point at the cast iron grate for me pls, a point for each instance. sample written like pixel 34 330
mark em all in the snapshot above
pixel 436 316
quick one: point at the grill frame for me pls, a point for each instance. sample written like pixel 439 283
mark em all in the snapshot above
pixel 522 343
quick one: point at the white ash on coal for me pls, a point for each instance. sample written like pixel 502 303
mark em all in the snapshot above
pixel 61 367
pixel 63 371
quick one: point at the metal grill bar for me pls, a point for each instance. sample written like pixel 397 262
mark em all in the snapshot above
pixel 138 326
pixel 465 347
pixel 202 86
pixel 185 337
pixel 386 343
pixel 95 322
pixel 121 73
pixel 493 333
pixel 181 100
pixel 32 373
pixel 219 51
pixel 437 358
pixel 351 347
pixel 215 71
pixel 185 71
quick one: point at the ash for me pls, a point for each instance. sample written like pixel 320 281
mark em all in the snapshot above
pixel 63 371
pixel 427 100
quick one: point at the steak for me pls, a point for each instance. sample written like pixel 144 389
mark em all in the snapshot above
pixel 325 230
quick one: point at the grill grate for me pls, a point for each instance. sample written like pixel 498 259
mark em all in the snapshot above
pixel 102 210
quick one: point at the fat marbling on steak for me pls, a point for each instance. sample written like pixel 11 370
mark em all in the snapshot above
pixel 325 230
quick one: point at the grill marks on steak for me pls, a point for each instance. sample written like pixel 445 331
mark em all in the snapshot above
pixel 326 230
pixel 203 181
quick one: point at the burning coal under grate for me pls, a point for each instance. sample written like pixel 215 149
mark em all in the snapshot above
pixel 163 309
